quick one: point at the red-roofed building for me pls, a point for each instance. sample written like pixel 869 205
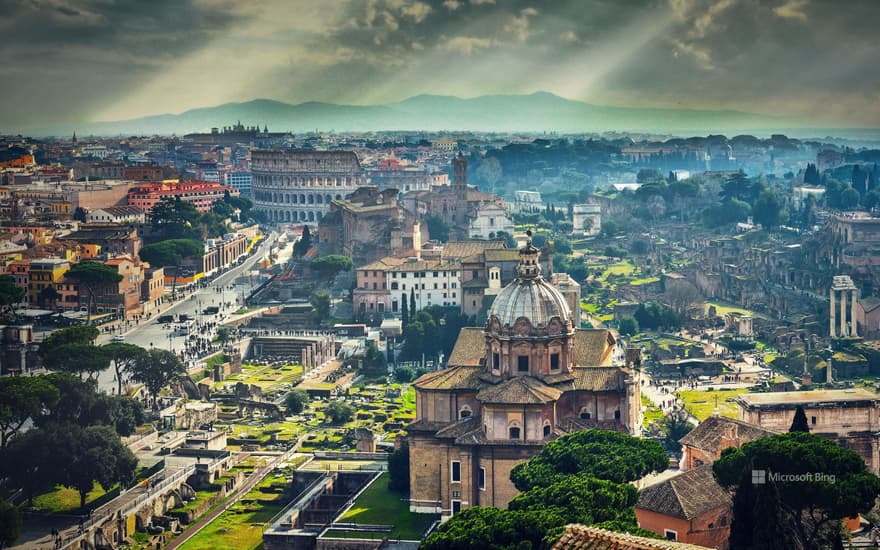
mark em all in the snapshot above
pixel 202 194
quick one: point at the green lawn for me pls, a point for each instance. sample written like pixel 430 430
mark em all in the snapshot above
pixel 65 499
pixel 379 506
pixel 701 404
pixel 620 268
pixel 645 281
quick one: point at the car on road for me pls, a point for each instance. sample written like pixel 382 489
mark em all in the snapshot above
pixel 118 338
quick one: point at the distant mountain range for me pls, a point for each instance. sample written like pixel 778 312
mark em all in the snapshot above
pixel 535 112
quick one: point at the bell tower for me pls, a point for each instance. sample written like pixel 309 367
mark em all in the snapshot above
pixel 459 172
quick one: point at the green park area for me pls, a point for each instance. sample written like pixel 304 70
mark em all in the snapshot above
pixel 66 499
pixel 701 404
pixel 377 505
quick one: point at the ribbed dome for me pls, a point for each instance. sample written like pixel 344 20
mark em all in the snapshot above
pixel 529 295
pixel 535 299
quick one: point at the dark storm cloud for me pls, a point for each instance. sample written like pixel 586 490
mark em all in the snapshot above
pixel 66 58
pixel 102 58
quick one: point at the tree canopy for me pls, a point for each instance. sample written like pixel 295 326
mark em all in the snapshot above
pixel 296 401
pixel 22 398
pixel 81 403
pixel 818 482
pixel 94 454
pixel 71 349
pixel 304 243
pixel 171 252
pixel 331 264
pixel 599 453
pixel 10 293
pixel 10 524
pixel 438 229
pixel 339 412
pixel 157 368
pixel 123 356
pixel 579 478
pixel 93 275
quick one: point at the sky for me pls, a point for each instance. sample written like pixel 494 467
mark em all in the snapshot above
pixel 69 61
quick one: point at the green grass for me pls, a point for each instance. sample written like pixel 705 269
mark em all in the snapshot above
pixel 722 308
pixel 644 281
pixel 652 412
pixel 242 525
pixel 379 506
pixel 620 268
pixel 65 499
pixel 218 359
pixel 701 404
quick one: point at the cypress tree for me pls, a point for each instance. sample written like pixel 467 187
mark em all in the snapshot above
pixel 412 302
pixel 769 530
pixel 741 528
pixel 404 312
pixel 799 424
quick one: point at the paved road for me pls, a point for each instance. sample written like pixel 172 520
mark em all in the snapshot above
pixel 223 289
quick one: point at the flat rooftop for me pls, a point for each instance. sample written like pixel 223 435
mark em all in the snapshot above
pixel 807 397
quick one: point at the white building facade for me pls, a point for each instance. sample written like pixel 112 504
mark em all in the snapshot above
pixel 433 282
pixel 488 220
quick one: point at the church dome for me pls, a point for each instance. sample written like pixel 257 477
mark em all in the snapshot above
pixel 529 295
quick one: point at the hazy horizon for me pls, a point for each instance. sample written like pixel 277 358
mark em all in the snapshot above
pixel 73 62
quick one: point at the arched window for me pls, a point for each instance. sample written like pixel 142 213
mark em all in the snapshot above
pixel 513 430
pixel 465 412
pixel 585 414
pixel 547 428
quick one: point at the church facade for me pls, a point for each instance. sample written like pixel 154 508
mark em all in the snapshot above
pixel 526 378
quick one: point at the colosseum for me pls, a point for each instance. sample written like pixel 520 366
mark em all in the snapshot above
pixel 297 185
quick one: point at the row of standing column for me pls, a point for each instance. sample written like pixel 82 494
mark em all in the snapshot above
pixel 843 329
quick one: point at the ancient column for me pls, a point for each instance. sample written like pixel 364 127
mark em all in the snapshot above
pixel 843 332
pixel 833 320
pixel 854 327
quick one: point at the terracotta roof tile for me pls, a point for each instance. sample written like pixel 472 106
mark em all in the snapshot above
pixel 525 390
pixel 685 496
pixel 592 347
pixel 581 537
pixel 709 433
pixel 383 264
pixel 598 379
pixel 462 249
pixel 451 378
pixel 461 427
pixel 470 348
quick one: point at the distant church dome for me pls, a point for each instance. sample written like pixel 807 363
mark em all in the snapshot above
pixel 529 295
